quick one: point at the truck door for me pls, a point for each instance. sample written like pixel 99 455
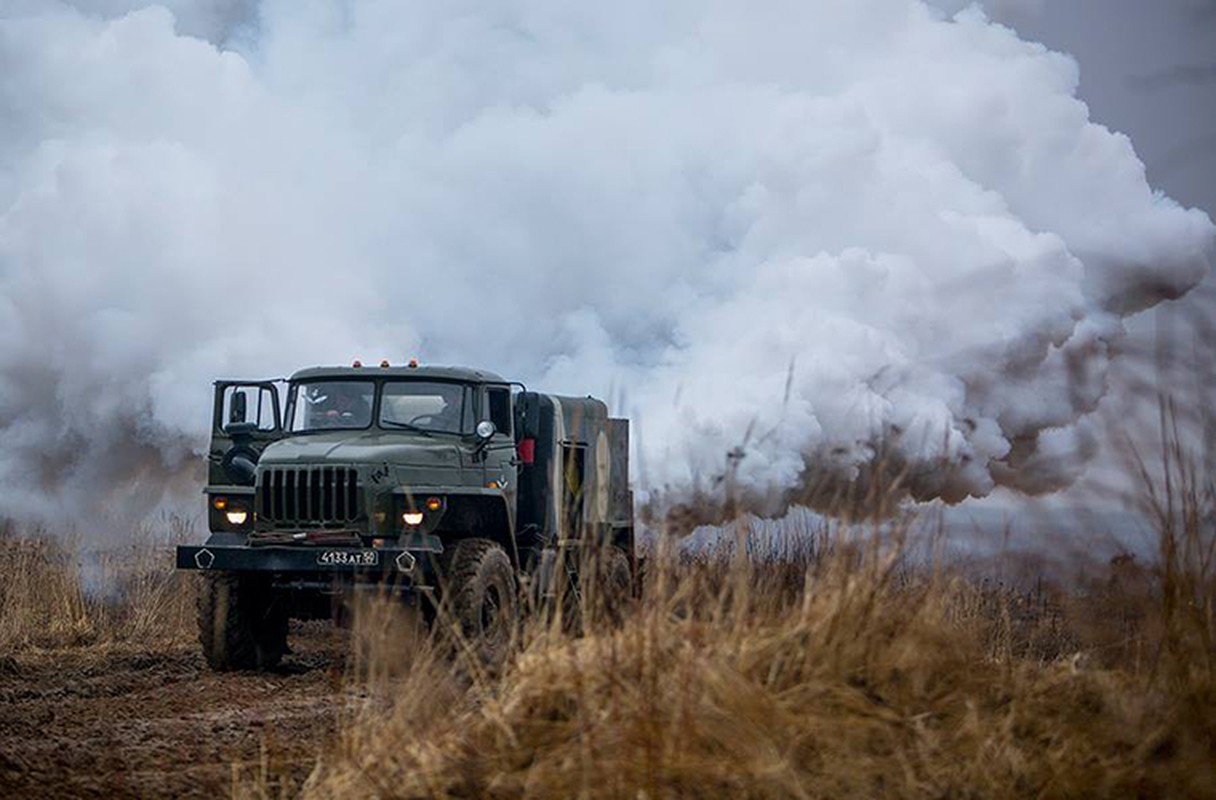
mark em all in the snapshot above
pixel 245 418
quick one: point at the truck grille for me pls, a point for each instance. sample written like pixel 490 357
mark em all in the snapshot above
pixel 325 497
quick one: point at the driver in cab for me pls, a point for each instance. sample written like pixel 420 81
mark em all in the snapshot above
pixel 341 407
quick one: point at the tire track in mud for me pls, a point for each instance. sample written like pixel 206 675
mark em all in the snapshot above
pixel 155 722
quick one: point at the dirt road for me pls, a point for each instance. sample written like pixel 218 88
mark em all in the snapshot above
pixel 148 722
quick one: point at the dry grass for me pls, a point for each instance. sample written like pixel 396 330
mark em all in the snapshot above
pixel 54 592
pixel 861 681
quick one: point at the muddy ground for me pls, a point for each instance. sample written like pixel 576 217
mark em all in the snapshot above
pixel 155 722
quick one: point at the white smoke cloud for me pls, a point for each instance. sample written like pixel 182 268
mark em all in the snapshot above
pixel 827 233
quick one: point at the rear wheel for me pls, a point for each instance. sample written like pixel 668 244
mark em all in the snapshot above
pixel 482 598
pixel 242 624
pixel 556 591
pixel 599 592
pixel 614 581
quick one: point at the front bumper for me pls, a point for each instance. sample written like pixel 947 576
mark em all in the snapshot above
pixel 410 559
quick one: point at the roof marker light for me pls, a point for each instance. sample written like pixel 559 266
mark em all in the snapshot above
pixel 413 362
pixel 357 364
pixel 384 364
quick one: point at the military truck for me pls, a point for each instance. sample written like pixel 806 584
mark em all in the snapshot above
pixel 450 487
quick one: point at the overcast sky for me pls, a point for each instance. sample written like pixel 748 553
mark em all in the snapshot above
pixel 1148 69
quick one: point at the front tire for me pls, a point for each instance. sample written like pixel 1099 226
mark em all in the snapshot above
pixel 241 623
pixel 483 598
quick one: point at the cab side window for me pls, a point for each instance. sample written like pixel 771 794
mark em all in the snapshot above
pixel 244 403
pixel 499 409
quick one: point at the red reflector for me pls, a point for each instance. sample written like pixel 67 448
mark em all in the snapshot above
pixel 527 450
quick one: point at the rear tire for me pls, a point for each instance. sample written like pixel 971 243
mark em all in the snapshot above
pixel 242 624
pixel 556 592
pixel 483 598
pixel 615 585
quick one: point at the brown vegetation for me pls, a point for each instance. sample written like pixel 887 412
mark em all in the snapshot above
pixel 55 592
pixel 861 680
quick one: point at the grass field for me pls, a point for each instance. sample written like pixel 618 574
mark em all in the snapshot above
pixel 853 671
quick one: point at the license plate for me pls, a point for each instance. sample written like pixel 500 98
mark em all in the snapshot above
pixel 348 558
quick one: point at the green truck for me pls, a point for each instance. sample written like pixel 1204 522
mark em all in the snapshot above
pixel 448 486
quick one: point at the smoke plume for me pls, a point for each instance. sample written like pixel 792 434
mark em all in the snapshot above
pixel 788 239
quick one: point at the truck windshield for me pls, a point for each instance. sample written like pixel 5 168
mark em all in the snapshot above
pixel 427 405
pixel 431 406
pixel 331 405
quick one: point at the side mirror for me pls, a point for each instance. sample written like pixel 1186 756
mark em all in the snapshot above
pixel 239 408
pixel 485 429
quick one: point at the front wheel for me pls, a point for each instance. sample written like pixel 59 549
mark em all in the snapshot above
pixel 482 598
pixel 241 623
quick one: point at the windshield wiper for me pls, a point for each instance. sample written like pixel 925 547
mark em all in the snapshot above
pixel 392 423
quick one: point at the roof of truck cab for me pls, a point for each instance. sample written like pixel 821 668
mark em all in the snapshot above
pixel 466 374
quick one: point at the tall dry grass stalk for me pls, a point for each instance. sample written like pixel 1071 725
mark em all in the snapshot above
pixel 1180 498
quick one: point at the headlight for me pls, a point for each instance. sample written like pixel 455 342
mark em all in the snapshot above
pixel 228 514
pixel 420 515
